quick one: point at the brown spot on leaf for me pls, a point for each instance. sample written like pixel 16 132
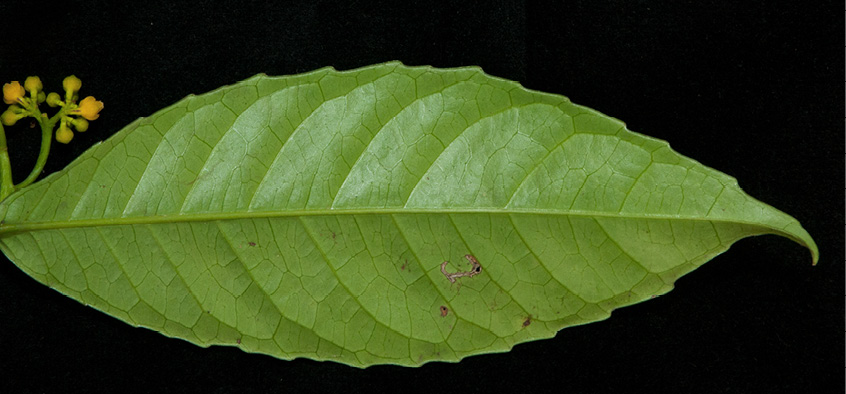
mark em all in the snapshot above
pixel 444 311
pixel 405 264
pixel 331 234
pixel 251 243
pixel 527 321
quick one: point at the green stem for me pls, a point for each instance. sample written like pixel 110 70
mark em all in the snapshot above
pixel 6 184
pixel 46 140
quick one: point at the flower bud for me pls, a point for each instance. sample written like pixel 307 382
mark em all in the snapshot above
pixel 54 100
pixel 33 84
pixel 72 84
pixel 10 117
pixel 64 133
pixel 80 124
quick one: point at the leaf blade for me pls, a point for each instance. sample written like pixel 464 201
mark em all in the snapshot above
pixel 372 177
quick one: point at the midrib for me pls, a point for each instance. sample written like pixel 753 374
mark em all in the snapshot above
pixel 7 229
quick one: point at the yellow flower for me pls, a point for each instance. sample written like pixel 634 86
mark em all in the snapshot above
pixel 72 84
pixel 64 134
pixel 89 108
pixel 13 92
pixel 33 84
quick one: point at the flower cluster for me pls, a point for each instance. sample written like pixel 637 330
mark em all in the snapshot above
pixel 24 100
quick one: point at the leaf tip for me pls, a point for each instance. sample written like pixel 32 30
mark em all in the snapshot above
pixel 809 243
pixel 815 255
pixel 796 233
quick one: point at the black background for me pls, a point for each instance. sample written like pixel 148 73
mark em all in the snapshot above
pixel 750 89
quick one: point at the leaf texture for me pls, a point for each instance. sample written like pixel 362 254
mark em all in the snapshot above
pixel 308 216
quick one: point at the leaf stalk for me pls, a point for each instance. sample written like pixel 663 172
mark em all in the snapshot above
pixel 7 187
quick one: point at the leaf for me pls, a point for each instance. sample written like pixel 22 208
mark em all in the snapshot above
pixel 309 215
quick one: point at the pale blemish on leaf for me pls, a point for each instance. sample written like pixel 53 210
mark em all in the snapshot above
pixel 475 269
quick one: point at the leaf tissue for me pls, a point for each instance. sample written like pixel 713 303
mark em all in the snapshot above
pixel 384 215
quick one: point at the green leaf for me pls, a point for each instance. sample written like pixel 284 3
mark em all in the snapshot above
pixel 308 216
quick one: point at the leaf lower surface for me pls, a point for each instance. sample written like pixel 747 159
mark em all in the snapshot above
pixel 308 216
